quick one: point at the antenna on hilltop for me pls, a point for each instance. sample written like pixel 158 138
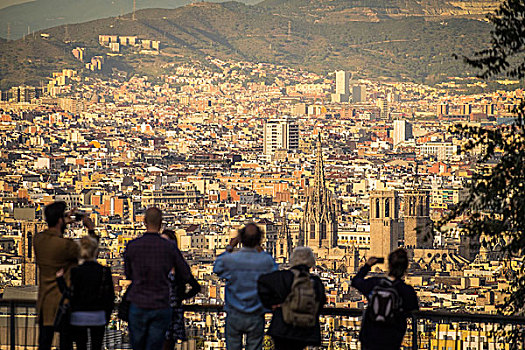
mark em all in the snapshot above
pixel 289 29
pixel 8 31
pixel 66 35
pixel 134 8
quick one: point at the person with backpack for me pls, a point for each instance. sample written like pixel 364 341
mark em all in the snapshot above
pixel 296 298
pixel 390 301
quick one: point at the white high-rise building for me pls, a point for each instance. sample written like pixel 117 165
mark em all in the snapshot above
pixel 280 133
pixel 342 86
pixel 402 131
pixel 342 82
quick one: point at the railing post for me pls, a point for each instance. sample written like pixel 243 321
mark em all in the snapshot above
pixel 12 330
pixel 415 336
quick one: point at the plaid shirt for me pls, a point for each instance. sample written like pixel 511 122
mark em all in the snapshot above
pixel 147 262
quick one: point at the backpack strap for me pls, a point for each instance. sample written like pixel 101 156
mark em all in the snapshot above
pixel 301 273
pixel 394 285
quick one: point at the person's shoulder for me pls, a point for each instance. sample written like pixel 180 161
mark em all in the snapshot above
pixel 134 241
pixel 38 236
pixel 225 256
pixel 315 277
pixel 64 243
pixel 267 256
pixel 407 288
pixel 375 279
pixel 147 240
pixel 410 289
pixel 277 273
pixel 274 276
pixel 163 243
pixel 99 266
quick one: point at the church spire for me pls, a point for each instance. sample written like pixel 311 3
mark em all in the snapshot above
pixel 319 179
pixel 319 223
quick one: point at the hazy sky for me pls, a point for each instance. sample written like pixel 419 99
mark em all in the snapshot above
pixel 7 3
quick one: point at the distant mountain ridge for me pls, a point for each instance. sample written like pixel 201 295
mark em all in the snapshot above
pixel 315 36
pixel 42 14
pixel 21 19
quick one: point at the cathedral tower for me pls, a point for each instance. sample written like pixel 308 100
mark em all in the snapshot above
pixel 385 228
pixel 418 225
pixel 29 230
pixel 319 224
pixel 284 244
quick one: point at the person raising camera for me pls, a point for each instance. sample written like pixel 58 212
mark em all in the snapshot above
pixel 54 252
pixel 390 301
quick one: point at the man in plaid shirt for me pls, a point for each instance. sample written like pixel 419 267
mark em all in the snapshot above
pixel 147 262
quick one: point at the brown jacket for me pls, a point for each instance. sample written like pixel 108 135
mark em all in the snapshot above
pixel 52 252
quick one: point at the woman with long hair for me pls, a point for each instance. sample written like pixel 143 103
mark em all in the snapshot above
pixel 91 296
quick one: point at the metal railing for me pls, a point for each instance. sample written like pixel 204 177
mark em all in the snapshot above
pixel 429 330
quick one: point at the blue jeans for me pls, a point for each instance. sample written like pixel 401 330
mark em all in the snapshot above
pixel 238 324
pixel 147 327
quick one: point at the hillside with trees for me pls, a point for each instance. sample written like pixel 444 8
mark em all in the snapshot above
pixel 412 47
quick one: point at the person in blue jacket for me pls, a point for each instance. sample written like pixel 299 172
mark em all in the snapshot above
pixel 241 270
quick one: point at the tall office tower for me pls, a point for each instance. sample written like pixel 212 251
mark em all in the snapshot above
pixel 319 224
pixel 342 82
pixel 382 104
pixel 358 93
pixel 443 109
pixel 385 227
pixel 465 109
pixel 418 225
pixel 281 133
pixel 342 86
pixel 402 131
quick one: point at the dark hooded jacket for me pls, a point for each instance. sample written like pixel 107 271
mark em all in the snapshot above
pixel 374 336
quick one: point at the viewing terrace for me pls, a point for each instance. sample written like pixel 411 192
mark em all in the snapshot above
pixel 432 330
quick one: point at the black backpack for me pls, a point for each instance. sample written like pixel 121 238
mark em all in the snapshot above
pixel 384 303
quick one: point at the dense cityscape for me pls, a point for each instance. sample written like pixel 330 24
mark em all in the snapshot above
pixel 347 166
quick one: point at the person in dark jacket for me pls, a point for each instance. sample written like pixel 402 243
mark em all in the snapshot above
pixel 273 289
pixel 178 293
pixel 91 296
pixel 148 261
pixel 385 336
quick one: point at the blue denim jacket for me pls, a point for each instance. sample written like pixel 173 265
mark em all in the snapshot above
pixel 241 270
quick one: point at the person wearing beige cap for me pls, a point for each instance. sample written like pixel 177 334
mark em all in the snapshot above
pixel 296 297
